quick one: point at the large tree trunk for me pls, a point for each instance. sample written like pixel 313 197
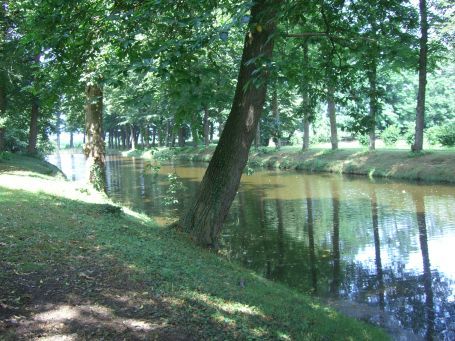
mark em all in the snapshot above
pixel 276 116
pixel 372 78
pixel 94 146
pixel 206 127
pixel 420 111
pixel 204 219
pixel 332 116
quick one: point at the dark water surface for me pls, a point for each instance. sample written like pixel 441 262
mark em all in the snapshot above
pixel 380 250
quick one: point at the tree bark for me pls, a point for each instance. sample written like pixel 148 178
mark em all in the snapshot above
pixel 181 137
pixel 2 112
pixel 420 111
pixel 206 127
pixel 168 133
pixel 33 131
pixel 276 115
pixel 94 146
pixel 204 219
pixel 147 136
pixel 133 138
pixel 57 128
pixel 306 103
pixel 71 139
pixel 372 79
pixel 332 116
pixel 257 138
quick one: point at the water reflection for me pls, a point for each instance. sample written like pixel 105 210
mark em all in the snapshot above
pixel 335 285
pixel 427 280
pixel 386 245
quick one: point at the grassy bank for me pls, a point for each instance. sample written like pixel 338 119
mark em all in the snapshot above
pixel 435 165
pixel 75 266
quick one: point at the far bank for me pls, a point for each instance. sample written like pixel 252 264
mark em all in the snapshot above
pixel 434 166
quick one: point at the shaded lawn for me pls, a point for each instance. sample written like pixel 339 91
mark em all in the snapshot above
pixel 83 270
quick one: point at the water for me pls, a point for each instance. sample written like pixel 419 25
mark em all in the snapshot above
pixel 380 250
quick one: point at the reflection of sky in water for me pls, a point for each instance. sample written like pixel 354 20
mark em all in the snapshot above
pixel 268 230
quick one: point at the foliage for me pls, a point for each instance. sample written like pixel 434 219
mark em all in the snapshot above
pixel 409 133
pixel 363 139
pixel 5 155
pixel 173 192
pixel 391 135
pixel 445 134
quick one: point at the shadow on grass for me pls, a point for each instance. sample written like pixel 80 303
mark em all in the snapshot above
pixel 74 270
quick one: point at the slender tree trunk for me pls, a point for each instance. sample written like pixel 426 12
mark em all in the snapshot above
pixel 57 128
pixel 154 133
pixel 133 139
pixel 257 138
pixel 147 136
pixel 276 115
pixel 204 219
pixel 33 131
pixel 372 79
pixel 206 127
pixel 3 81
pixel 94 147
pixel 306 103
pixel 332 116
pixel 135 133
pixel 181 136
pixel 168 133
pixel 123 132
pixel 2 111
pixel 220 128
pixel 211 131
pixel 420 111
pixel 71 139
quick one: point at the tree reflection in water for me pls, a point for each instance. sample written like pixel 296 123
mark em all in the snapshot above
pixel 318 234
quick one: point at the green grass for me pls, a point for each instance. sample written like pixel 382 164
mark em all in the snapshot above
pixel 17 162
pixel 56 236
pixel 432 165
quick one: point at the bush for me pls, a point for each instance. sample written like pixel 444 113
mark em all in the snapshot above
pixel 390 135
pixel 431 135
pixel 363 139
pixel 446 135
pixel 5 156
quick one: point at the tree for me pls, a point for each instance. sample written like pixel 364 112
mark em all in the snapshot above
pixel 420 111
pixel 204 219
